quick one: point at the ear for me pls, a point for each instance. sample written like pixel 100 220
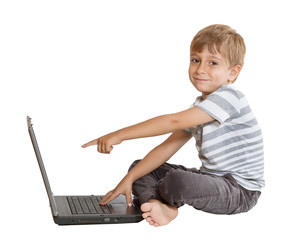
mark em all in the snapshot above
pixel 234 72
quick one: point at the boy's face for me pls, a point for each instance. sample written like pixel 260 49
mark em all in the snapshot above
pixel 209 71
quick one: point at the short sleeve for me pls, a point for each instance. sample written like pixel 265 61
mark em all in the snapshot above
pixel 188 131
pixel 222 104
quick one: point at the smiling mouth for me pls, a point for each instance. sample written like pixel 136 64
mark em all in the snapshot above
pixel 201 79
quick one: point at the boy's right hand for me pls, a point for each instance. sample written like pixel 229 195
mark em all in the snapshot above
pixel 123 188
pixel 105 143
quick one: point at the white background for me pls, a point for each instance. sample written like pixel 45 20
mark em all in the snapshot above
pixel 81 69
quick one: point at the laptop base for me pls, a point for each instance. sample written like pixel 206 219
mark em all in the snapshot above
pixel 120 212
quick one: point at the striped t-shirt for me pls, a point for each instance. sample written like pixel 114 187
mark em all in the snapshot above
pixel 232 143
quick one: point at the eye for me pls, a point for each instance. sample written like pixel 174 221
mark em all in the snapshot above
pixel 195 60
pixel 213 63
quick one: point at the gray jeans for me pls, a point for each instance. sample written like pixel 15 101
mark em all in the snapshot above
pixel 176 185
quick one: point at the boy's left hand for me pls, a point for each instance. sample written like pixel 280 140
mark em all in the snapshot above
pixel 105 143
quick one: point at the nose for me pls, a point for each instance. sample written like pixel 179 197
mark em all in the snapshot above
pixel 201 68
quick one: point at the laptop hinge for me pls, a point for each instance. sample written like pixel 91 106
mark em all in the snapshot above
pixel 54 206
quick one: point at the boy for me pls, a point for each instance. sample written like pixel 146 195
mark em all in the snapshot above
pixel 228 139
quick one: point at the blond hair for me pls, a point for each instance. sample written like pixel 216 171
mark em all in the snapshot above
pixel 223 39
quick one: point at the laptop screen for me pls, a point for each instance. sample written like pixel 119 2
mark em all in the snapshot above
pixel 42 167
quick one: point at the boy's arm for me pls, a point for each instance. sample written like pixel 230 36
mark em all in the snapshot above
pixel 152 127
pixel 153 160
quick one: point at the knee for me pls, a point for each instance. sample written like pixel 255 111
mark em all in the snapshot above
pixel 174 178
pixel 134 164
pixel 173 187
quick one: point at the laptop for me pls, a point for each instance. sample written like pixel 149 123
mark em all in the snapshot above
pixel 80 209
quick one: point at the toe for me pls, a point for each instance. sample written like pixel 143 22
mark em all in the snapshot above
pixel 146 207
pixel 146 214
pixel 151 223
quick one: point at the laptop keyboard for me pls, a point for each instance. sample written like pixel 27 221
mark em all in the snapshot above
pixel 87 205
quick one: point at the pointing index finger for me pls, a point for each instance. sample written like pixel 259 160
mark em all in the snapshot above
pixel 91 143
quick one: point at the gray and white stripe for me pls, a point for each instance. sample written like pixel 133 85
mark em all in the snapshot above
pixel 232 143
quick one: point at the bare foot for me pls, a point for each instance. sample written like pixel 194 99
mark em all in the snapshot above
pixel 157 213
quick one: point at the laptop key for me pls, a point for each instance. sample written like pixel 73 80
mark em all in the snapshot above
pixel 84 205
pixel 71 205
pixel 77 205
pixel 96 205
pixel 105 209
pixel 90 205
